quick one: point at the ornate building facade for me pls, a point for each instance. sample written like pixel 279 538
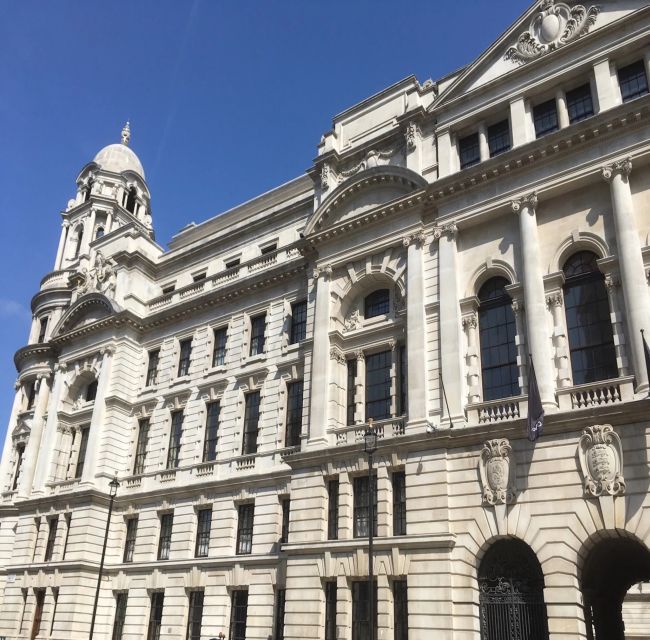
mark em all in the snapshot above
pixel 447 233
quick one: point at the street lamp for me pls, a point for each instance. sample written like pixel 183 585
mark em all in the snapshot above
pixel 370 446
pixel 113 486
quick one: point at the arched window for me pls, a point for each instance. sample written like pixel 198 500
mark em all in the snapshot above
pixel 99 233
pixel 511 593
pixel 377 303
pixel 79 234
pixel 130 200
pixel 497 332
pixel 591 342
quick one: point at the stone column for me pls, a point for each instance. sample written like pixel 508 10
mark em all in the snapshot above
pixel 450 325
pixel 445 150
pixel 517 309
pixel 470 324
pixel 65 226
pixel 555 303
pixel 412 135
pixel 607 94
pixel 6 468
pixel 416 331
pixel 484 147
pixel 318 417
pixel 89 228
pixel 633 278
pixel 612 283
pixel 535 300
pixel 562 110
pixel 109 222
pixel 359 387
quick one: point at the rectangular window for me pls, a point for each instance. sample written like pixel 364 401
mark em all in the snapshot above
pixel 53 524
pixel 545 118
pixel 120 615
pixel 55 603
pixel 294 414
pixel 155 615
pixel 401 610
pixel 333 509
pixel 579 103
pixel 211 430
pixel 184 357
pixel 175 434
pixel 399 503
pixel 251 422
pixel 37 524
pixel 219 351
pixel 43 329
pixel 245 528
pixel 469 151
pixel 361 515
pixel 199 277
pixel 68 524
pixel 403 381
pixel 81 456
pixel 20 452
pixel 195 617
pixel 258 327
pixel 238 614
pixel 633 80
pixel 165 538
pixel 280 602
pixel 141 447
pixel 330 610
pixel 231 264
pixel 361 611
pixel 203 526
pixel 499 138
pixel 152 367
pixel 269 248
pixel 129 542
pixel 378 398
pixel 351 390
pixel 31 395
pixel 170 288
pixel 286 512
pixel 38 612
pixel 298 322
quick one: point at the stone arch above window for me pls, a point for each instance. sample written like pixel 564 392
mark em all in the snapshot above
pixel 579 241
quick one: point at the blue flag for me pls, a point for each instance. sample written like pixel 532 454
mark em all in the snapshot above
pixel 535 424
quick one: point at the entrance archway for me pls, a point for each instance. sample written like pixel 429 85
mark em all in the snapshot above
pixel 611 567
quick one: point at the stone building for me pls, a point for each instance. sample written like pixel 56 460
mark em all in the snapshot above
pixel 446 233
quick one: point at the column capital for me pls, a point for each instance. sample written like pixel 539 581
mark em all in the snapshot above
pixel 65 224
pixel 554 300
pixel 360 355
pixel 392 344
pixel 611 282
pixel 325 271
pixel 470 321
pixel 337 354
pixel 517 305
pixel 412 135
pixel 107 351
pixel 450 230
pixel 418 238
pixel 530 201
pixel 621 167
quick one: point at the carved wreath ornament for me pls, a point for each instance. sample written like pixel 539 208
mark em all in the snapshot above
pixel 554 25
pixel 497 472
pixel 601 460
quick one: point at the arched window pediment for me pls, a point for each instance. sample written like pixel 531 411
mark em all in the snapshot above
pixel 86 310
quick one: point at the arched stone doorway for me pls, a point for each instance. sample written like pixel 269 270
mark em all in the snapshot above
pixel 511 593
pixel 610 568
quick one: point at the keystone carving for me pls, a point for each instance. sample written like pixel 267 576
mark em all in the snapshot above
pixel 497 469
pixel 601 461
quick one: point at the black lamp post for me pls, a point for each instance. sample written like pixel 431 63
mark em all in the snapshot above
pixel 114 484
pixel 370 446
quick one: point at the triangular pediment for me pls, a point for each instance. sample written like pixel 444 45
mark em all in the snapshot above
pixel 85 311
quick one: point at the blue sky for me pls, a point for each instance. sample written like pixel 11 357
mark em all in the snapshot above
pixel 226 100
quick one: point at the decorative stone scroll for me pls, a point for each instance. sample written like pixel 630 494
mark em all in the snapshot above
pixel 554 25
pixel 601 461
pixel 497 468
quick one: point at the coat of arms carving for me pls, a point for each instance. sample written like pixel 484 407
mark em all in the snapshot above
pixel 601 461
pixel 497 469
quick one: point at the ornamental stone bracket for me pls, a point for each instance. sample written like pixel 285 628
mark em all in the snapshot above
pixel 497 470
pixel 601 461
pixel 554 25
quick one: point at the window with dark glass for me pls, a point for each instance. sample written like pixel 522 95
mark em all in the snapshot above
pixel 53 524
pixel 170 288
pixel 497 331
pixel 38 612
pixel 545 118
pixel 78 238
pixel 120 614
pixel 175 435
pixel 165 536
pixel 403 381
pixel 55 603
pixel 286 511
pixel 378 398
pixel 31 395
pixel 469 151
pixel 238 614
pixel 251 422
pixel 376 303
pixel 20 452
pixel 351 390
pixel 195 615
pixel 68 525
pixel 361 515
pixel 152 367
pixel 269 248
pixel 400 610
pixel 99 233
pixel 361 610
pixel 280 605
pixel 330 610
pixel 399 503
pixel 231 264
pixel 155 615
pixel 91 391
pixel 258 327
pixel 141 447
pixel 203 526
pixel 37 524
pixel 129 541
pixel 633 80
pixel 43 329
pixel 591 340
pixel 333 509
pixel 84 432
pixel 298 322
pixel 294 414
pixel 213 410
pixel 184 357
pixel 579 103
pixel 219 352
pixel 499 138
pixel 199 277
pixel 130 200
pixel 245 528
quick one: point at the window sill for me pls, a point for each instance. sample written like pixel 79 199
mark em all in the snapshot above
pixel 180 380
pixel 258 357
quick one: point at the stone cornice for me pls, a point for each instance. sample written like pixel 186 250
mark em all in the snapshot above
pixel 40 351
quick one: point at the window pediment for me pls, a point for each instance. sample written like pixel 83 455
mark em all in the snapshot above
pixel 87 310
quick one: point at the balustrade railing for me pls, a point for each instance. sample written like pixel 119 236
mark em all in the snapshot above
pixel 596 394
pixel 351 434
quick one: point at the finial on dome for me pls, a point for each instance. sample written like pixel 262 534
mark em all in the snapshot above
pixel 126 133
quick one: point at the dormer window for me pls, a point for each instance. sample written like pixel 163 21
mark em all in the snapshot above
pixel 91 391
pixel 545 118
pixel 469 151
pixel 377 303
pixel 130 200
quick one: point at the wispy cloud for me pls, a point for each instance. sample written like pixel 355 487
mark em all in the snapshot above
pixel 13 309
